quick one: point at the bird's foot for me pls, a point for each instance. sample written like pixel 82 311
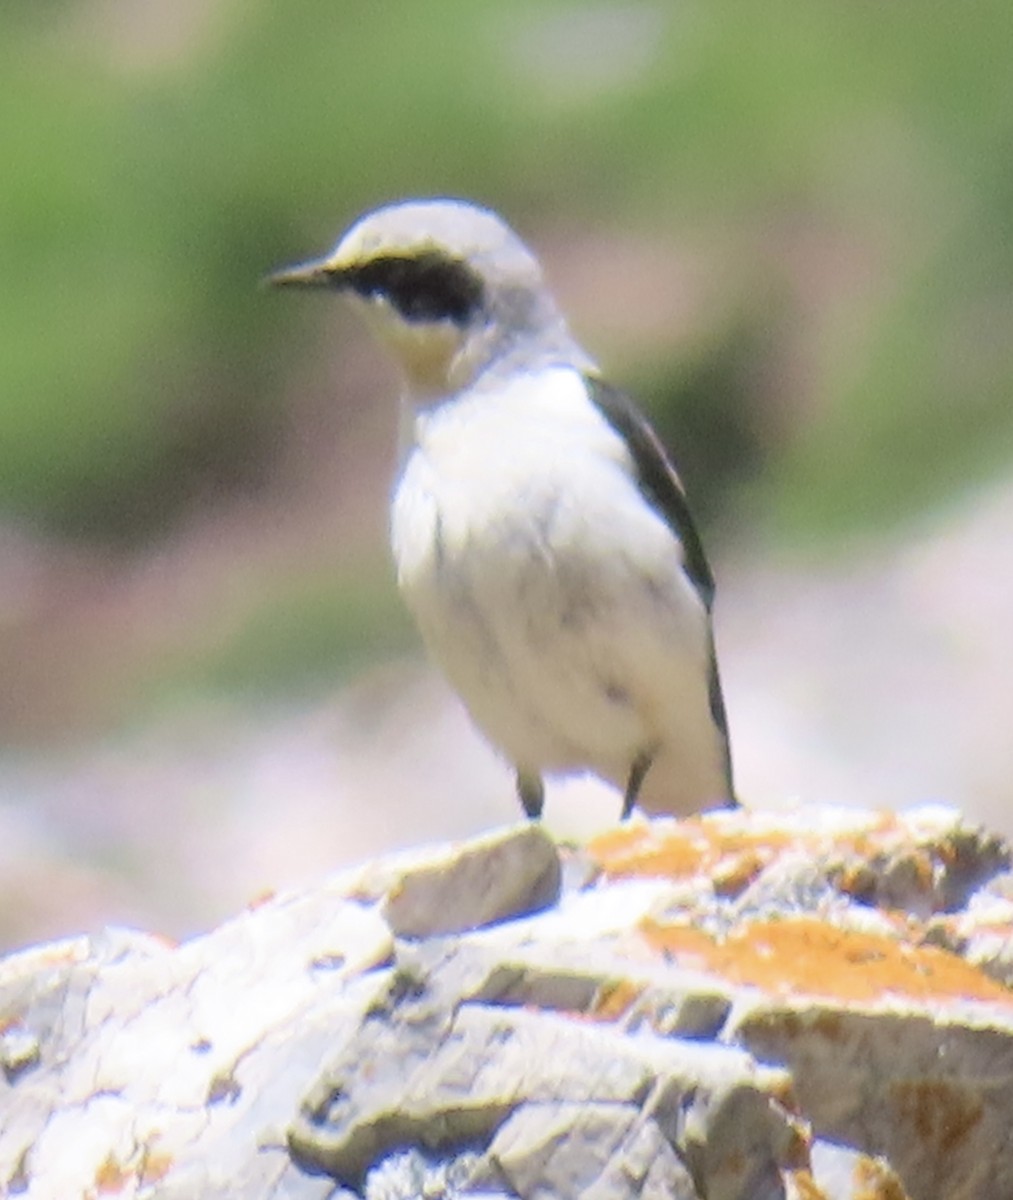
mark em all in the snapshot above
pixel 641 765
pixel 531 791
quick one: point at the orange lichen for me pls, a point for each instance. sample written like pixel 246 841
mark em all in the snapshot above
pixel 690 848
pixel 857 879
pixel 723 849
pixel 874 1181
pixel 783 1091
pixel 614 999
pixel 111 1176
pixel 805 1187
pixel 155 1165
pixel 738 871
pixel 804 955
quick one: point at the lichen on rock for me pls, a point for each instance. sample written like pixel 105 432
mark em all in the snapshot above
pixel 812 1005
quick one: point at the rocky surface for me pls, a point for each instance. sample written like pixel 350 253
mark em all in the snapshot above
pixel 807 1005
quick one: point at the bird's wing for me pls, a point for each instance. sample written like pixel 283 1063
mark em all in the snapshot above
pixel 661 487
pixel 656 478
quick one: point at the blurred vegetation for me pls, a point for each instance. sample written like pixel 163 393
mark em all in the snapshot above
pixel 158 158
pixel 304 629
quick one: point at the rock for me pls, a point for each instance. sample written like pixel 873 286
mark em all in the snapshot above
pixel 592 1150
pixel 506 874
pixel 166 1065
pixel 470 1069
pixel 810 1005
pixel 926 1090
pixel 842 1173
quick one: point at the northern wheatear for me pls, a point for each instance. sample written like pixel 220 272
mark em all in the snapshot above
pixel 541 535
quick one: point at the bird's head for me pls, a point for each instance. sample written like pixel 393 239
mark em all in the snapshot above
pixel 445 284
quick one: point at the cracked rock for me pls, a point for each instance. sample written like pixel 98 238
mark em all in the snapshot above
pixel 503 875
pixel 594 1150
pixel 811 1005
pixel 485 1062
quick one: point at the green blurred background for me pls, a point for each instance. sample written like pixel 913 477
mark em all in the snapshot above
pixel 786 226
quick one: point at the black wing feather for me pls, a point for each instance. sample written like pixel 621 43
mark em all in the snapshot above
pixel 661 487
pixel 657 479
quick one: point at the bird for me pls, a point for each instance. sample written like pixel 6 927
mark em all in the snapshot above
pixel 540 533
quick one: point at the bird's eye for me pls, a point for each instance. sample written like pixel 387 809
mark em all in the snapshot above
pixel 429 287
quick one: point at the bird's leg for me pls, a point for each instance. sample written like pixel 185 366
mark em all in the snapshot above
pixel 641 765
pixel 532 794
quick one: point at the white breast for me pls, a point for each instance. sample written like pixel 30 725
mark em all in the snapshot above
pixel 550 593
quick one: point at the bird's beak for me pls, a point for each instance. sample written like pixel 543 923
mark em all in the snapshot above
pixel 319 273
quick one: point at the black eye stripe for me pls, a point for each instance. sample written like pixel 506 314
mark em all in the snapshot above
pixel 430 287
